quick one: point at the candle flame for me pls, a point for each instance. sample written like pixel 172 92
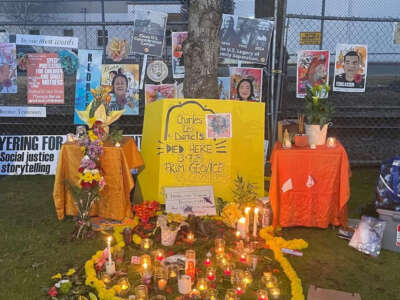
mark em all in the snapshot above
pixel 256 210
pixel 247 210
pixel 109 239
pixel 242 220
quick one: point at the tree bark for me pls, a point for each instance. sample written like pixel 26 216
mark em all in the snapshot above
pixel 201 49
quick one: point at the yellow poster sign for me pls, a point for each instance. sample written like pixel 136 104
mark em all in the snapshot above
pixel 310 38
pixel 188 142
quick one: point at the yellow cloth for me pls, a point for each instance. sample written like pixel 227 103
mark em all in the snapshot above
pixel 115 197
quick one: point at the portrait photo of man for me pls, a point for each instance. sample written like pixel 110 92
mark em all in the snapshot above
pixel 352 74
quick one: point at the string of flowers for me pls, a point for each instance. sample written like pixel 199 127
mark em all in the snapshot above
pixel 276 244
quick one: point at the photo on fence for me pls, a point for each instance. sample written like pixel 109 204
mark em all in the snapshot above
pixel 88 77
pixel 246 84
pixel 219 126
pixel 245 39
pixel 8 69
pixel 45 79
pixel 350 68
pixel 396 33
pixel 312 70
pixel 148 32
pixel 155 92
pixel 224 87
pixel 178 64
pixel 124 80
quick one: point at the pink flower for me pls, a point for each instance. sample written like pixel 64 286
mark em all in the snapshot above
pixel 53 292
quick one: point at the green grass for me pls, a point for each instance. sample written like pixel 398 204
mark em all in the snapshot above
pixel 35 245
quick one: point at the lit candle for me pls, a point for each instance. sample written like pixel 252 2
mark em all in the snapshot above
pixel 230 294
pixel 172 271
pixel 190 237
pixel 228 270
pixel 207 261
pixel 211 273
pixel 237 234
pixel 146 244
pixel 331 142
pixel 109 249
pixel 212 294
pixel 106 278
pixel 162 283
pixel 241 227
pixel 110 265
pixel 145 262
pixel 262 295
pixel 194 293
pixel 247 214
pixel 275 293
pixel 219 246
pixel 201 284
pixel 239 290
pixel 160 254
pixel 255 222
pixel 124 287
pixel 271 283
pixel 313 146
pixel 243 258
pixel 247 279
pixel 190 263
pixel 117 144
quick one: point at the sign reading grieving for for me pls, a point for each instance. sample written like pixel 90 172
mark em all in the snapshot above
pixel 194 200
pixel 29 154
pixel 47 41
pixel 190 142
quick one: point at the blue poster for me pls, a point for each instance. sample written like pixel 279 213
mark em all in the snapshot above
pixel 88 77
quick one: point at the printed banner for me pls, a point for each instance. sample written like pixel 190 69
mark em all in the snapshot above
pixel 224 87
pixel 23 111
pixel 30 154
pixel 124 80
pixel 178 64
pixel 312 69
pixel 88 77
pixel 246 84
pixel 155 92
pixel 148 32
pixel 245 39
pixel 47 41
pixel 350 68
pixel 8 69
pixel 45 79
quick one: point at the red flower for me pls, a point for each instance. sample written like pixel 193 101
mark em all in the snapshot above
pixel 53 292
pixel 357 78
pixel 80 170
pixel 88 185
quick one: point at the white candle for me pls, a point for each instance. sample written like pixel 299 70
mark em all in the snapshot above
pixel 331 142
pixel 241 227
pixel 247 214
pixel 109 249
pixel 255 222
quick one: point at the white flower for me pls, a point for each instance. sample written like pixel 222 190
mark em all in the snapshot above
pixel 58 284
pixel 95 171
pixel 86 157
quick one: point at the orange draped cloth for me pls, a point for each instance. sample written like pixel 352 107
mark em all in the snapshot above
pixel 318 205
pixel 115 197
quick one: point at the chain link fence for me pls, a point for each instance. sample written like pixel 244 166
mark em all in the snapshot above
pixel 368 124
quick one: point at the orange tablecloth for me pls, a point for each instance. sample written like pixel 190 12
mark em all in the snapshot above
pixel 115 197
pixel 323 203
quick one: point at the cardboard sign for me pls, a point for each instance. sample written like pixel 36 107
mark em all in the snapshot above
pixel 177 152
pixel 45 79
pixel 310 38
pixel 194 200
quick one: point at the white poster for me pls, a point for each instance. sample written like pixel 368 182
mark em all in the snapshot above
pixel 29 154
pixel 350 68
pixel 23 111
pixel 190 200
pixel 47 41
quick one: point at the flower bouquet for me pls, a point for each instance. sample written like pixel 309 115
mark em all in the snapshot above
pixel 117 49
pixel 145 212
pixel 170 224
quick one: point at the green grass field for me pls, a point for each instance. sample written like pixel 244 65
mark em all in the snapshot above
pixel 35 245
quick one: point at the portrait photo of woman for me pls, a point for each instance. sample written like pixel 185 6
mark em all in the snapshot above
pixel 245 90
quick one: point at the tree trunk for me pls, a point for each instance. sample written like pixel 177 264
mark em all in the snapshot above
pixel 201 49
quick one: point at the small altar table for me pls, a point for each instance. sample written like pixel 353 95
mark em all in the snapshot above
pixel 115 197
pixel 309 187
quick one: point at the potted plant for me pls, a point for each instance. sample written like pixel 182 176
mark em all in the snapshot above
pixel 318 112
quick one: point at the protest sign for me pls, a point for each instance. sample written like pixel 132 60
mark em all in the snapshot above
pixel 8 69
pixel 45 79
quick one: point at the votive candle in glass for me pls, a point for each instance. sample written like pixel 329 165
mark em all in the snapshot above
pixel 275 293
pixel 219 246
pixel 190 263
pixel 106 279
pixel 237 277
pixel 159 255
pixel 242 227
pixel 262 295
pixel 190 237
pixel 243 258
pixel 212 294
pixel 173 270
pixel 228 269
pixel 271 283
pixel 247 278
pixel 146 244
pixel 201 284
pixel 230 294
pixel 331 142
pixel 124 287
pixel 161 283
pixel 211 273
pixel 141 292
pixel 145 263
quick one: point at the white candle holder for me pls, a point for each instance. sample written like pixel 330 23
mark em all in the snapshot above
pixel 110 268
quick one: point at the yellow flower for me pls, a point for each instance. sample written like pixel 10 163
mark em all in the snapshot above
pixel 91 122
pixel 87 177
pixel 92 136
pixel 178 218
pixel 230 214
pixel 97 176
pixel 136 239
pixel 57 276
pixel 70 272
pixel 82 148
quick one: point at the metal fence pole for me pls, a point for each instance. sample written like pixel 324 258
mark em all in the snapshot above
pixel 103 20
pixel 273 109
pixel 322 24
